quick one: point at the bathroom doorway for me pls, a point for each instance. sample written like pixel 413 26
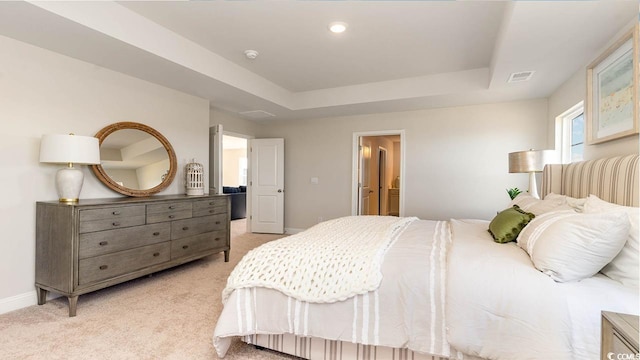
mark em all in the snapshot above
pixel 377 172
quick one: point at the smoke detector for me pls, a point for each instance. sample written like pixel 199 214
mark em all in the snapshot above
pixel 251 54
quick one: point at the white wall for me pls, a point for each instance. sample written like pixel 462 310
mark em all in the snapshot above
pixel 572 92
pixel 43 92
pixel 456 160
pixel 233 123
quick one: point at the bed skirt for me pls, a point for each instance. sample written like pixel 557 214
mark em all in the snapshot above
pixel 322 349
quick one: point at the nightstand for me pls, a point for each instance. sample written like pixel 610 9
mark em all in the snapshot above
pixel 619 335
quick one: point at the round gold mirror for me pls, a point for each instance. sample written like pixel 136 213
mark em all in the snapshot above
pixel 135 159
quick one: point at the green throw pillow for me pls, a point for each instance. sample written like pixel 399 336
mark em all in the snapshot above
pixel 506 226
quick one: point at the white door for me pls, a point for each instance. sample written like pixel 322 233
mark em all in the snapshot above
pixel 364 186
pixel 215 159
pixel 267 185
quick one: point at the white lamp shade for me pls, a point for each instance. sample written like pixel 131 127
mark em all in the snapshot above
pixel 529 161
pixel 69 149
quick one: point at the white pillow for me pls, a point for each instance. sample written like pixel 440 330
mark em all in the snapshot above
pixel 625 267
pixel 576 203
pixel 570 246
pixel 536 206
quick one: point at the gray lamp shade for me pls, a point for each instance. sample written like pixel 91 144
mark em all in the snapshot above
pixel 529 161
pixel 75 149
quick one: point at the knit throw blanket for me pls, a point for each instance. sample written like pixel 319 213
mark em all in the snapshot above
pixel 329 262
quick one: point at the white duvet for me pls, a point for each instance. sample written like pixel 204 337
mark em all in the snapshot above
pixel 496 306
pixel 406 311
pixel 500 307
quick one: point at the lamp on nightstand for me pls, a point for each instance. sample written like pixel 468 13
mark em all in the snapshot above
pixel 530 161
pixel 69 149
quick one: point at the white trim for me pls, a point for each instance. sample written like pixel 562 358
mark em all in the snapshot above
pixel 563 131
pixel 354 165
pixel 18 302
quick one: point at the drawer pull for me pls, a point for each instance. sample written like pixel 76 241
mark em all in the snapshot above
pixel 216 239
pixel 171 216
pixel 103 243
pixel 103 267
pixel 115 223
pixel 211 211
pixel 185 247
pixel 217 222
pixel 116 213
pixel 171 207
pixel 156 254
pixel 212 203
pixel 156 233
pixel 185 228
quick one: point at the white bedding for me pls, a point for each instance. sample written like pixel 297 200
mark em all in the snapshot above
pixel 406 311
pixel 500 307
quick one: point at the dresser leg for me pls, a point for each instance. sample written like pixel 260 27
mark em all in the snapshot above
pixel 73 304
pixel 42 295
pixel 226 256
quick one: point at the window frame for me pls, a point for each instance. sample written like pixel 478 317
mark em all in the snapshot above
pixel 564 124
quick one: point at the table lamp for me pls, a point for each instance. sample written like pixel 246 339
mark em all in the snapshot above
pixel 530 161
pixel 69 149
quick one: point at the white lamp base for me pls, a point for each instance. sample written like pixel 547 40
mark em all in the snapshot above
pixel 533 187
pixel 69 183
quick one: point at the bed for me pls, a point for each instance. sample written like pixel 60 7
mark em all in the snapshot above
pixel 447 289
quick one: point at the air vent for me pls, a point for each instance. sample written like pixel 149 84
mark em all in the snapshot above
pixel 256 114
pixel 521 76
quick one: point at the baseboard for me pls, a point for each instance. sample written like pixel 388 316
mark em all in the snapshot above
pixel 18 302
pixel 291 231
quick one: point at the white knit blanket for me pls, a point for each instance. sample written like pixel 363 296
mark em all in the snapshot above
pixel 329 262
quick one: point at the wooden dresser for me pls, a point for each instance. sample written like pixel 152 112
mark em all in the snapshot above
pixel 96 243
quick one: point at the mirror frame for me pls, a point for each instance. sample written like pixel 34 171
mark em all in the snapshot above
pixel 102 175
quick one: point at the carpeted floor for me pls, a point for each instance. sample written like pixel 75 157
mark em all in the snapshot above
pixel 170 315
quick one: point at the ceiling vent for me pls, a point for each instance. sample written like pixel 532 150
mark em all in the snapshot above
pixel 520 76
pixel 256 114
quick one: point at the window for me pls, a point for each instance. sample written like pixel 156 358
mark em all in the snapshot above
pixel 570 126
pixel 577 138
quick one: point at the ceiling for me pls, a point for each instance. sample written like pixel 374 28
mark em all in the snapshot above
pixel 394 56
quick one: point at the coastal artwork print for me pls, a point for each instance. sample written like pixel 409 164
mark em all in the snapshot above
pixel 615 96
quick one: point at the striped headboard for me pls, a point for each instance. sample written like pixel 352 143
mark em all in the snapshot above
pixel 612 179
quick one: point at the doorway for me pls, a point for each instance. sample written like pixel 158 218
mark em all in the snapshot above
pixel 378 169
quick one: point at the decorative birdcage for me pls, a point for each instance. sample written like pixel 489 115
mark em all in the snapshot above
pixel 194 178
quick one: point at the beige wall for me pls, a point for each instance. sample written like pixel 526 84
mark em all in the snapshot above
pixel 456 160
pixel 43 92
pixel 231 166
pixel 572 92
pixel 233 123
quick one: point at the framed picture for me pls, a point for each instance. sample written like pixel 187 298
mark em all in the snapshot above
pixel 612 91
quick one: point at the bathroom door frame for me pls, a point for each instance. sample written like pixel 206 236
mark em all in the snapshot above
pixel 355 158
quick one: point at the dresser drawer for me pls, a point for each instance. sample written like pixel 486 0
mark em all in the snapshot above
pixel 199 225
pixel 194 245
pixel 114 218
pixel 112 213
pixel 109 241
pixel 210 207
pixel 103 267
pixel 168 211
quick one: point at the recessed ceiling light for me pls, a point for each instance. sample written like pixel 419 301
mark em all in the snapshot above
pixel 337 27
pixel 251 54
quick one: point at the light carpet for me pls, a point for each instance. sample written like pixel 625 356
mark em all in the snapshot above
pixel 170 315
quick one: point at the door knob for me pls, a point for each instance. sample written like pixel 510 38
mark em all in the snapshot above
pixel 279 190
